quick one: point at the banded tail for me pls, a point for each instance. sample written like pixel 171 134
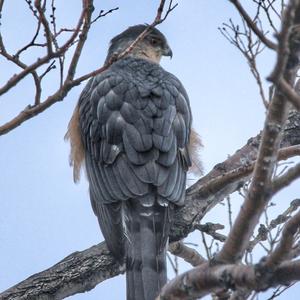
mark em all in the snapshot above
pixel 147 230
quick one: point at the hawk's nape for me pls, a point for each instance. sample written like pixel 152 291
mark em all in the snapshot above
pixel 134 125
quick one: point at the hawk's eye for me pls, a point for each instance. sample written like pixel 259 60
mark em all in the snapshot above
pixel 154 42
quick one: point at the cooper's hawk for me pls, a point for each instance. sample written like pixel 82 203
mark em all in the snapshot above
pixel 131 127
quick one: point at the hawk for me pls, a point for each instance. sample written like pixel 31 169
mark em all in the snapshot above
pixel 131 128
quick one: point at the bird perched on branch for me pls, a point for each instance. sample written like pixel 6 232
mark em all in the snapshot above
pixel 131 128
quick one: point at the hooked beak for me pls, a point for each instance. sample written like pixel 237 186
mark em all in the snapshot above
pixel 167 52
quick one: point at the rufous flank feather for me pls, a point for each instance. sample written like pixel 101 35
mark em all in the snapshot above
pixel 76 158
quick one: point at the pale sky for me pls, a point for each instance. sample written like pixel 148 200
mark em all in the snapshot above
pixel 44 215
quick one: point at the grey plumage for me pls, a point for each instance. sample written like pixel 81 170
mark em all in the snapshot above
pixel 135 123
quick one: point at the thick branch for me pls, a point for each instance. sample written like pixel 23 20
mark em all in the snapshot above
pixel 284 51
pixel 206 279
pixel 289 92
pixel 44 21
pixel 286 179
pixel 88 7
pixel 77 273
pixel 190 255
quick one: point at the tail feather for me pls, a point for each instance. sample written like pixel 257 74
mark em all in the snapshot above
pixel 147 233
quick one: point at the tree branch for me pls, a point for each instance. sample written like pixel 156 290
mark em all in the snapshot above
pixel 44 60
pixel 286 179
pixel 199 201
pixel 280 219
pixel 44 21
pixel 85 19
pixel 206 279
pixel 259 192
pixel 289 92
pixel 284 247
pixel 227 177
pixel 188 254
pixel 77 273
pixel 253 25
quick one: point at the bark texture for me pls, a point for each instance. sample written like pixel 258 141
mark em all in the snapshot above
pixel 77 273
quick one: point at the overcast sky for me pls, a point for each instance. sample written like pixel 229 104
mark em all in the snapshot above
pixel 44 215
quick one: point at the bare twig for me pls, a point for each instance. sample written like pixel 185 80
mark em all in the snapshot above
pixel 33 10
pixel 250 49
pixel 174 264
pixel 206 247
pixel 103 13
pixel 280 290
pixel 253 25
pixel 268 7
pixel 32 43
pixel 44 60
pixel 17 61
pixel 49 68
pixel 228 201
pixel 55 34
pixel 31 111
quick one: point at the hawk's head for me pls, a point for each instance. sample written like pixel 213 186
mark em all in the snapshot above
pixel 152 47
